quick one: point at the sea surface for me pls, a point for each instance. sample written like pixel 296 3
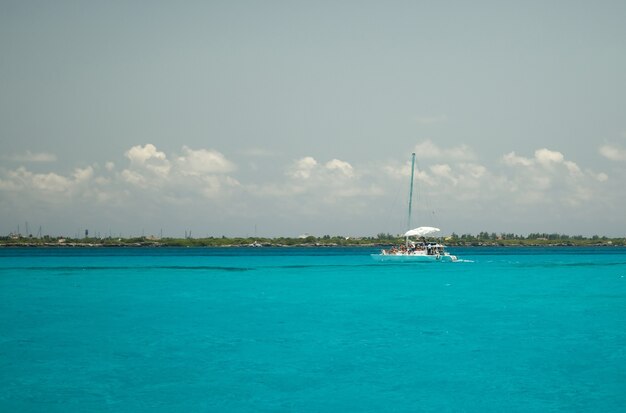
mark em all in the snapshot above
pixel 311 330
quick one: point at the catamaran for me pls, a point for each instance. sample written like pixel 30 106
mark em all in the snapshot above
pixel 419 250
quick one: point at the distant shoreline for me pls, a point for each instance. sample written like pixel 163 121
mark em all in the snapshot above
pixel 347 245
pixel 483 239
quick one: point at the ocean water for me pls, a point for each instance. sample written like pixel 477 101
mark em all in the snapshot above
pixel 312 330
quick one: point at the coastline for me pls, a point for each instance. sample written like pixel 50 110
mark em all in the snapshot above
pixel 96 245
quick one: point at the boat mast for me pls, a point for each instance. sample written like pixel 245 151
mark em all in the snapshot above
pixel 408 223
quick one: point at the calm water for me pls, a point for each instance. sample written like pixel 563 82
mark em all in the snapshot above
pixel 310 330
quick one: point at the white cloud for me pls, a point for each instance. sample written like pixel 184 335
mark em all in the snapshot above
pixel 545 180
pixel 397 170
pixel 613 153
pixel 429 150
pixel 302 168
pixel 194 172
pixel 319 183
pixel 543 157
pixel 29 156
pixel 215 187
pixel 344 167
pixel 149 159
pixel 149 174
pixel 140 154
pixel 83 174
pixel 202 162
pixel 572 168
pixel 47 184
pixel 443 171
pixel 308 168
pixel 512 159
pixel 546 157
pixel 474 170
pixel 462 179
pixel 133 178
pixel 548 178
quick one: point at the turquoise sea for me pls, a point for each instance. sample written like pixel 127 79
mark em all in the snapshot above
pixel 311 330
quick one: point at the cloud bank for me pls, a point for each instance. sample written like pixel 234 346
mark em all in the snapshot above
pixel 202 186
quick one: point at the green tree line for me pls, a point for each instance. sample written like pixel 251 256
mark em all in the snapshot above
pixel 481 238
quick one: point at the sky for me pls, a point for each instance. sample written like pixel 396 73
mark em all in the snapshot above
pixel 283 118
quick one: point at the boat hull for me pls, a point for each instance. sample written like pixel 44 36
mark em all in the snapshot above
pixel 413 258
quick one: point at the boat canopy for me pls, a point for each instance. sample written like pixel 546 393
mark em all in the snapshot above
pixel 421 231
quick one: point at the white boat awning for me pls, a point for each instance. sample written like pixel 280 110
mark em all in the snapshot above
pixel 421 231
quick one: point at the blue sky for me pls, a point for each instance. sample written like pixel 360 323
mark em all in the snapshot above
pixel 300 117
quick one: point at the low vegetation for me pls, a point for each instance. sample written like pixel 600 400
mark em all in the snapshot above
pixel 480 239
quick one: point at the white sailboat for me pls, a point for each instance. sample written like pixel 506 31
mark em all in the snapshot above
pixel 419 250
